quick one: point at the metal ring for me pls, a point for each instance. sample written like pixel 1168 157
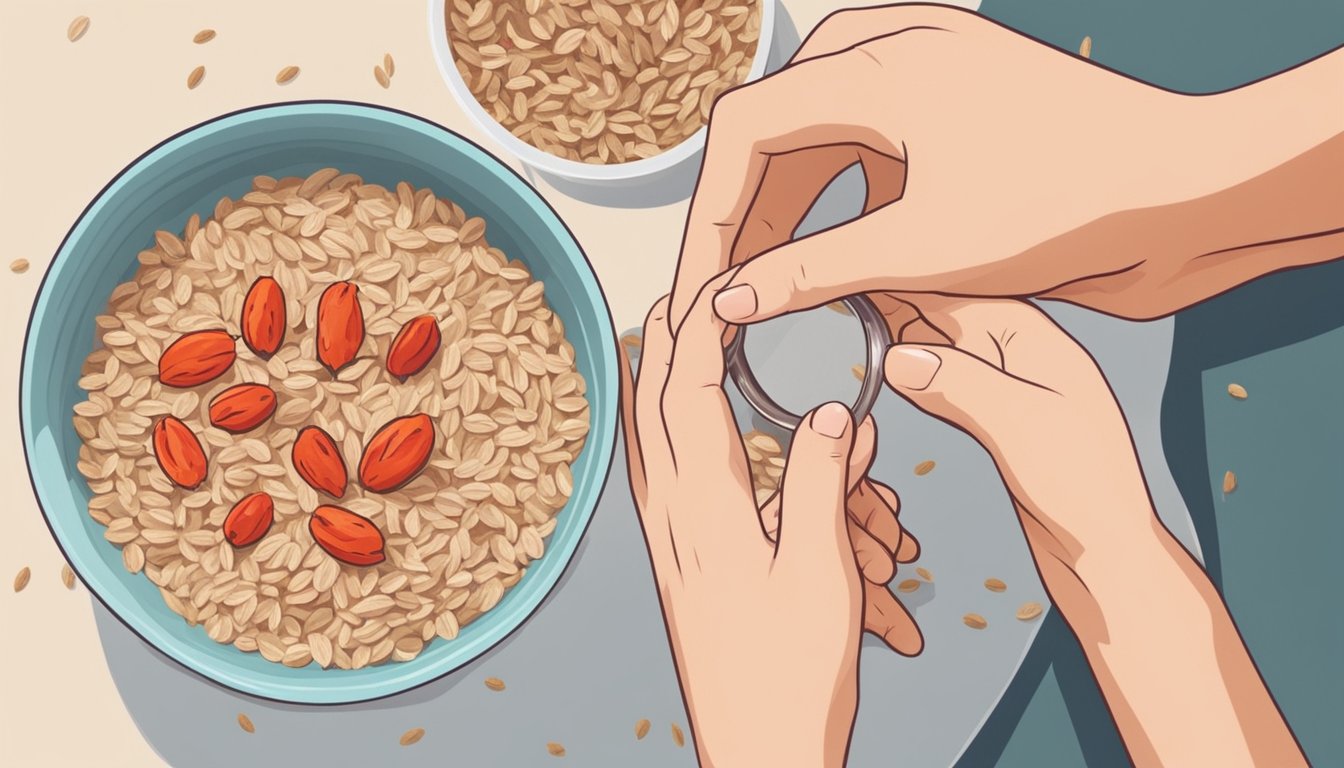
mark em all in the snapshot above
pixel 878 337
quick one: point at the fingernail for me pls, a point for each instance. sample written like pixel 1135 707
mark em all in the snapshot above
pixel 736 303
pixel 830 420
pixel 911 368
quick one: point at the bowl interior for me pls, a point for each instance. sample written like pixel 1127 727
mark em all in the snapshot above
pixel 564 167
pixel 188 174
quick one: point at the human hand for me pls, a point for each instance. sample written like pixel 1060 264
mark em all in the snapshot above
pixel 999 166
pixel 765 634
pixel 1005 373
pixel 1155 631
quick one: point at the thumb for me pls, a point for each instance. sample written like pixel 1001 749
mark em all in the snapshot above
pixel 812 502
pixel 808 272
pixel 959 388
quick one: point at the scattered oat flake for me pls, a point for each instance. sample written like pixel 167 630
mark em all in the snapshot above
pixel 77 28
pixel 1237 391
pixel 204 36
pixel 18 266
pixel 68 576
pixel 909 585
pixel 389 66
pixel 642 729
pixel 194 79
pixel 925 574
pixel 245 723
pixel 1085 50
pixel 1229 481
pixel 678 736
pixel 286 75
pixel 494 683
pixel 995 585
pixel 1029 611
pixel 632 340
pixel 858 371
pixel 412 736
pixel 974 621
pixel 381 76
pixel 555 748
pixel 924 468
pixel 21 578
pixel 838 306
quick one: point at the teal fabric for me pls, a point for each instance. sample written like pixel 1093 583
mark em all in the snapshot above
pixel 1272 546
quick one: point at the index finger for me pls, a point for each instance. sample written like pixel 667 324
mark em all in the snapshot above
pixel 747 126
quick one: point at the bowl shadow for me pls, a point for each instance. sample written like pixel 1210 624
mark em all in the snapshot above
pixel 593 660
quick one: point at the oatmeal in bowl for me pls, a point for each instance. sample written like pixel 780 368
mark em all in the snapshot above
pixel 598 90
pixel 328 424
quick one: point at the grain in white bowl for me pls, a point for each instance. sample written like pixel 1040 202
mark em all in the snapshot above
pixel 602 82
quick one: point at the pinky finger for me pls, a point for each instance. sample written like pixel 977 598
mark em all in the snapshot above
pixel 884 616
pixel 907 551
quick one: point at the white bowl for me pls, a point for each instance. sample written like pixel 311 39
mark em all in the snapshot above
pixel 586 174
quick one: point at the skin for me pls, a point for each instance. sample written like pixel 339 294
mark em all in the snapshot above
pixel 1155 631
pixel 742 607
pixel 880 543
pixel 999 166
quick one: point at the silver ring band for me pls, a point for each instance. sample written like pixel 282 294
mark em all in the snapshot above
pixel 878 338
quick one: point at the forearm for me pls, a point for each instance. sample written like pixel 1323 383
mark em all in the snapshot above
pixel 1267 162
pixel 756 715
pixel 1167 657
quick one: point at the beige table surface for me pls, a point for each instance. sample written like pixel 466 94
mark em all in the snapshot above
pixel 74 114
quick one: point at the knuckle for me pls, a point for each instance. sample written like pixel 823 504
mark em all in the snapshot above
pixel 835 29
pixel 729 105
pixel 800 282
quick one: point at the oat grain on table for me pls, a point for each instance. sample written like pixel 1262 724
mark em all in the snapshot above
pixel 77 28
pixel 1029 611
pixel 21 578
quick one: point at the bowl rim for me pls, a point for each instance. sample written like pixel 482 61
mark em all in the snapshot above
pixel 602 440
pixel 564 167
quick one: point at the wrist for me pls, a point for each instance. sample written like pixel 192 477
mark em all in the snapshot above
pixel 1224 188
pixel 781 746
pixel 815 737
pixel 1109 591
pixel 1257 170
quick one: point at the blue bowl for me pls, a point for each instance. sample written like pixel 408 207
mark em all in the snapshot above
pixel 187 174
